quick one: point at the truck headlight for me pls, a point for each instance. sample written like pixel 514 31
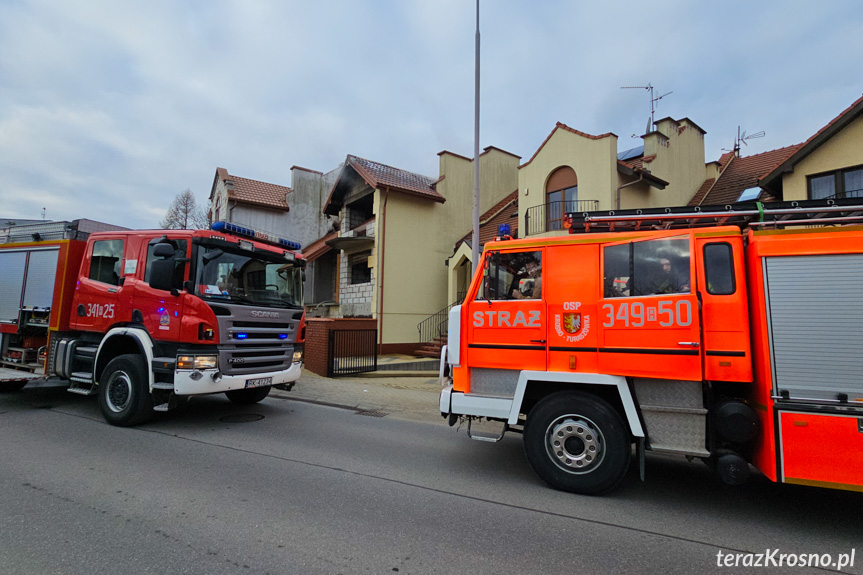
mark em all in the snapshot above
pixel 298 355
pixel 197 361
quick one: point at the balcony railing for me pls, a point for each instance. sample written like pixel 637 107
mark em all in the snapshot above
pixel 549 217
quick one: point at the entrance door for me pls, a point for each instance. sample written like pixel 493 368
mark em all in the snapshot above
pixel 648 314
pixel 721 283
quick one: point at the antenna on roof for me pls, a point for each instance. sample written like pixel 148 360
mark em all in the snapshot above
pixel 43 213
pixel 742 137
pixel 653 101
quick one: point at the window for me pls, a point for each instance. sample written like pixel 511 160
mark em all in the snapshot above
pixel 561 196
pixel 513 275
pixel 647 268
pixel 847 183
pixel 361 273
pixel 179 265
pixel 105 261
pixel 719 269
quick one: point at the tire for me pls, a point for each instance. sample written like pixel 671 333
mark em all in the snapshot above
pixel 12 386
pixel 594 456
pixel 124 392
pixel 248 396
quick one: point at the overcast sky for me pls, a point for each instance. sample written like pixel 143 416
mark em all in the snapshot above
pixel 109 108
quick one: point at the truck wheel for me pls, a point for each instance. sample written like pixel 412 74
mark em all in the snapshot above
pixel 577 442
pixel 124 395
pixel 248 396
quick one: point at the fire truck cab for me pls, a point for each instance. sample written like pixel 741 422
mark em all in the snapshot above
pixel 712 333
pixel 147 318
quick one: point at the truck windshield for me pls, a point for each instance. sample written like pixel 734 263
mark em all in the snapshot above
pixel 249 277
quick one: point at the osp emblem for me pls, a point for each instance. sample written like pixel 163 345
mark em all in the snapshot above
pixel 572 325
pixel 572 322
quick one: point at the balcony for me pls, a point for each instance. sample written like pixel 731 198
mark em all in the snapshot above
pixel 549 217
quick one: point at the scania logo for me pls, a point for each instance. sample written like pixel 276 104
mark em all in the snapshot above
pixel 236 360
pixel 269 314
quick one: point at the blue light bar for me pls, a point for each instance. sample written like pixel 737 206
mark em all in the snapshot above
pixel 241 335
pixel 234 229
pixel 283 336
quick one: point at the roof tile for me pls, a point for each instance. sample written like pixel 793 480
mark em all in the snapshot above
pixel 380 175
pixel 255 192
pixel 743 173
pixel 503 212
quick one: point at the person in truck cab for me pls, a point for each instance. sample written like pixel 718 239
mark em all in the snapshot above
pixel 530 277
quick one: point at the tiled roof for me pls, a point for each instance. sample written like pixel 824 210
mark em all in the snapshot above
pixel 702 191
pixel 743 173
pixel 254 192
pixel 562 126
pixel 503 212
pixel 380 175
pixel 318 247
pixel 724 159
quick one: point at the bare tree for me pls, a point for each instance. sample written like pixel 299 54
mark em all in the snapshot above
pixel 184 213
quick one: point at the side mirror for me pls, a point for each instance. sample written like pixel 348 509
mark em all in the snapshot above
pixel 162 272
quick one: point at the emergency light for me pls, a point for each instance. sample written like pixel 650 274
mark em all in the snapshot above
pixel 229 228
pixel 503 230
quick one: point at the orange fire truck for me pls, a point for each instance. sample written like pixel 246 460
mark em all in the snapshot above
pixel 145 319
pixel 727 333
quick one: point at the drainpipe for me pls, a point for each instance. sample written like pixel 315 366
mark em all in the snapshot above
pixel 382 230
pixel 638 181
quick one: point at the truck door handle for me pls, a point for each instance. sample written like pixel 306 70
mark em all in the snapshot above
pixel 689 343
pixel 537 341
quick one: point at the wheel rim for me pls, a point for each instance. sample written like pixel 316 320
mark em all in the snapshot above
pixel 575 444
pixel 119 391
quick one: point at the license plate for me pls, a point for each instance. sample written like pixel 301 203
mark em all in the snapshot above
pixel 259 382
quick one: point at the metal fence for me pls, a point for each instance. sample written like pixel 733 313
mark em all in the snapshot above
pixel 549 217
pixel 352 351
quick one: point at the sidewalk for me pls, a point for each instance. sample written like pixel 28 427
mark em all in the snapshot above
pixel 413 398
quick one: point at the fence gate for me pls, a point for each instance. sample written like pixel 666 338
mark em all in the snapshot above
pixel 352 351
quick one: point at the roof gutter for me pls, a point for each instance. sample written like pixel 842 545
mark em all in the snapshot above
pixel 638 181
pixel 380 269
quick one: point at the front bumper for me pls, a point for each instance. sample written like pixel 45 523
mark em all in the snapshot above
pixel 203 381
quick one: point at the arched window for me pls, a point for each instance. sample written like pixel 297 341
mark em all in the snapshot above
pixel 561 196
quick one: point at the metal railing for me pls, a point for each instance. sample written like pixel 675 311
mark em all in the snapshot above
pixel 352 351
pixel 436 325
pixel 549 217
pixel 846 194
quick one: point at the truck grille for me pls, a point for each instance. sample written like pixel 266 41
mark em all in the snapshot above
pixel 251 345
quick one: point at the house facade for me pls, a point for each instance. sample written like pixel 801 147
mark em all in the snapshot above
pixel 397 230
pixel 573 171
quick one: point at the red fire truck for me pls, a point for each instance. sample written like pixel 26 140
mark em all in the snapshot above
pixel 726 333
pixel 144 319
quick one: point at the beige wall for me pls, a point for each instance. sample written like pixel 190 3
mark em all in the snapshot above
pixel 635 195
pixel 414 275
pixel 843 150
pixel 420 235
pixel 498 177
pixel 594 162
pixel 679 149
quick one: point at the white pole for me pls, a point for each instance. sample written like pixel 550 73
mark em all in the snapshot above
pixel 475 237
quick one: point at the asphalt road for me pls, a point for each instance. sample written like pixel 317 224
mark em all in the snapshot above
pixel 313 489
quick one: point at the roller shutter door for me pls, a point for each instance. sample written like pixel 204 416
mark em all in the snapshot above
pixel 41 272
pixel 815 317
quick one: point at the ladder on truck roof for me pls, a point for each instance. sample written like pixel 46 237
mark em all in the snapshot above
pixel 745 214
